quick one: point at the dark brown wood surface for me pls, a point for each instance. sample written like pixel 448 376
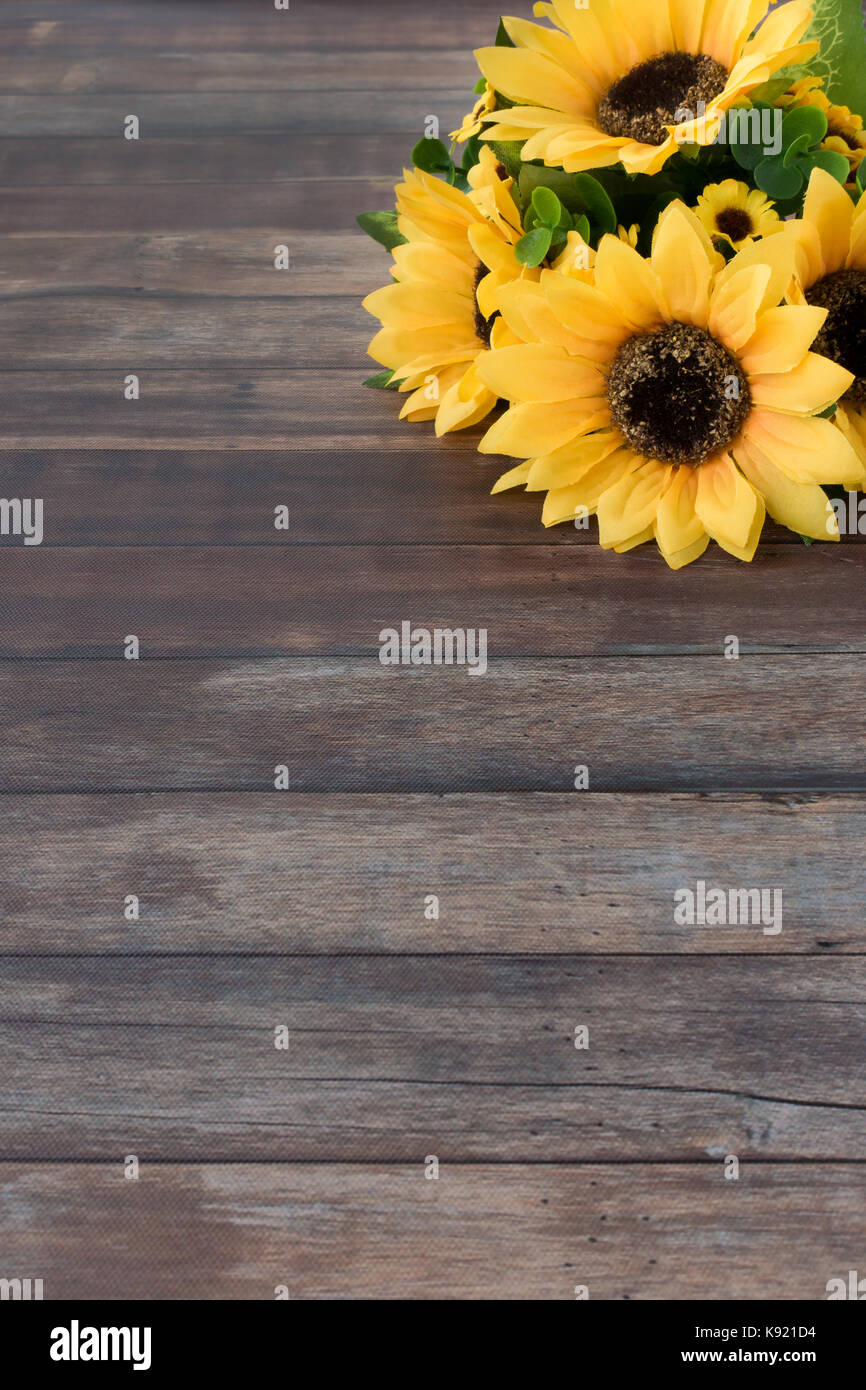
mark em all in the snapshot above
pixel 305 909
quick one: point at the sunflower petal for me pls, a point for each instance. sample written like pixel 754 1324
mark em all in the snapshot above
pixel 802 507
pixel 678 528
pixel 629 282
pixel 628 509
pixel 807 390
pixel 831 212
pixel 725 502
pixel 782 338
pixel 533 78
pixel 529 430
pixel 682 259
pixel 572 462
pixel 538 372
pixel 809 450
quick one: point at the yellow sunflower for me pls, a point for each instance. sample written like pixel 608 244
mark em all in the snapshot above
pixel 831 275
pixel 608 83
pixel 473 124
pixel 735 213
pixel 845 133
pixel 443 310
pixel 675 396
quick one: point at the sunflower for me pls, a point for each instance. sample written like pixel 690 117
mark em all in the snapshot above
pixel 831 275
pixel 675 396
pixel 443 310
pixel 737 214
pixel 845 133
pixel 473 124
pixel 607 84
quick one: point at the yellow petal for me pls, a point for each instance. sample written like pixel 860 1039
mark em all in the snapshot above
pixel 561 504
pixel 456 413
pixel 728 26
pixel 725 502
pixel 628 282
pixel 682 259
pixel 571 463
pixel 852 423
pixel 560 49
pixel 736 304
pixel 778 253
pixel 678 528
pixel 831 212
pixel 782 338
pixel 586 313
pixel 537 372
pixel 628 508
pixel 677 559
pixel 526 431
pixel 513 478
pixel 802 507
pixel 809 450
pixel 524 76
pixel 807 390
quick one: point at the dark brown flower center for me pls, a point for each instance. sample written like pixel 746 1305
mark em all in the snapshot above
pixel 640 105
pixel 677 394
pixel 842 135
pixel 483 326
pixel 843 337
pixel 735 223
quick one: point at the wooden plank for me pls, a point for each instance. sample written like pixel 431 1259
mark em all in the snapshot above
pixel 676 724
pixel 209 71
pixel 55 26
pixel 283 410
pixel 499 1232
pixel 436 493
pixel 216 265
pixel 232 159
pixel 304 206
pixel 127 330
pixel 176 1058
pixel 210 115
pixel 337 600
pixel 350 875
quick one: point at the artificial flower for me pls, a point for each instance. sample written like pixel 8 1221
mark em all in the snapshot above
pixel 473 124
pixel 609 84
pixel 845 133
pixel 737 214
pixel 675 396
pixel 443 309
pixel 831 275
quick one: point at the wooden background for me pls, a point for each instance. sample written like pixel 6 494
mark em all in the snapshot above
pixel 305 908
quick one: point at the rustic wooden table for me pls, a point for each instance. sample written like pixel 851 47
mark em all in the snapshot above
pixel 305 909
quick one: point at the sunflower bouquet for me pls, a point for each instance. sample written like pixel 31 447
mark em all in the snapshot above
pixel 650 261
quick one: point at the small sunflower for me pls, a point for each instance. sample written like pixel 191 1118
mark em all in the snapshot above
pixel 675 396
pixel 607 84
pixel 845 133
pixel 443 309
pixel 737 214
pixel 831 275
pixel 473 124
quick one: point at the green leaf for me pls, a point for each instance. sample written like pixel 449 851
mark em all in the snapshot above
pixel 508 154
pixel 383 381
pixel 807 540
pixel 432 156
pixel 799 146
pixel 480 86
pixel 548 208
pixel 777 181
pixel 382 227
pixel 770 92
pixel 471 153
pixel 596 201
pixel 831 161
pixel 838 26
pixel 748 156
pixel 861 176
pixel 580 193
pixel 532 248
pixel 581 226
pixel 803 120
pixel 502 39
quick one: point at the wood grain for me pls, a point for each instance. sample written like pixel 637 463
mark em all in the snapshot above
pixel 354 725
pixel 346 875
pixel 436 494
pixel 336 600
pixel 175 1058
pixel 236 1232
